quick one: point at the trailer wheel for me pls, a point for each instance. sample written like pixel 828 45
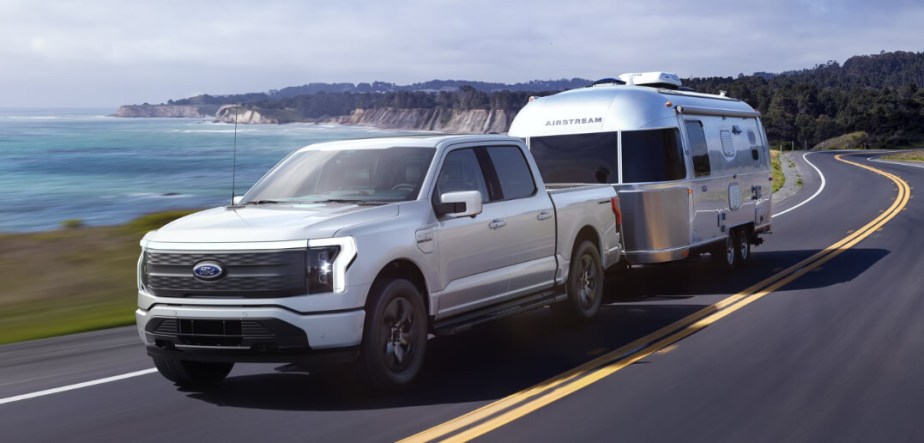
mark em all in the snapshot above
pixel 394 337
pixel 724 254
pixel 189 374
pixel 584 286
pixel 742 247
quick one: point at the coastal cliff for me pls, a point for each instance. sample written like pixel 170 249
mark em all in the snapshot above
pixel 167 111
pixel 461 110
pixel 479 121
pixel 247 115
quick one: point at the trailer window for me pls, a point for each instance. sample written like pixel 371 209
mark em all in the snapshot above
pixel 696 138
pixel 577 158
pixel 652 156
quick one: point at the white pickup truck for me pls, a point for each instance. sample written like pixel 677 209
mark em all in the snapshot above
pixel 354 251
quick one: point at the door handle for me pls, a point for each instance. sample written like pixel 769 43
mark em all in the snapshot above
pixel 497 223
pixel 544 215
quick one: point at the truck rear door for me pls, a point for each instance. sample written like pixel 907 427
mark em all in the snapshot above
pixel 530 221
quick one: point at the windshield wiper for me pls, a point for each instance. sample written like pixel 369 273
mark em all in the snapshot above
pixel 265 202
pixel 341 200
pixel 356 201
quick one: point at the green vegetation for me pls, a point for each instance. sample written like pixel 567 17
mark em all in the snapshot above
pixel 777 169
pixel 911 156
pixel 71 280
pixel 854 140
pixel 881 95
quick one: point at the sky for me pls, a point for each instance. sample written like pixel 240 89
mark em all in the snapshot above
pixel 107 53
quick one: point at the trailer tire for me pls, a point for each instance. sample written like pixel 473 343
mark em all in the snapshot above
pixel 394 336
pixel 584 285
pixel 190 374
pixel 724 254
pixel 742 247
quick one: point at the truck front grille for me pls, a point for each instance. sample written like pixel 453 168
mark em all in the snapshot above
pixel 250 274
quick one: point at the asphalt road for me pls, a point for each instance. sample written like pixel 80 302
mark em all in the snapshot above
pixel 837 354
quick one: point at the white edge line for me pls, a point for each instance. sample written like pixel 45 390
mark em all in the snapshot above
pixel 820 188
pixel 76 386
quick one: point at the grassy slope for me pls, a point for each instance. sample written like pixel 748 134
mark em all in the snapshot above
pixel 853 140
pixel 912 156
pixel 777 170
pixel 70 280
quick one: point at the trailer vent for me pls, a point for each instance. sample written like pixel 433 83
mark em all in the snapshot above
pixel 666 80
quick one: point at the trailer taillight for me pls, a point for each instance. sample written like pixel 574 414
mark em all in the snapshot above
pixel 614 203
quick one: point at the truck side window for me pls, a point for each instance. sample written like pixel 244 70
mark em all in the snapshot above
pixel 516 181
pixel 696 137
pixel 461 172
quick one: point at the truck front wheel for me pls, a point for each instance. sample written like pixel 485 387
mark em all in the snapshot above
pixel 394 337
pixel 191 373
pixel 585 284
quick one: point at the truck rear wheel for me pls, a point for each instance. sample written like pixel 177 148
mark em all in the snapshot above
pixel 394 336
pixel 191 373
pixel 585 284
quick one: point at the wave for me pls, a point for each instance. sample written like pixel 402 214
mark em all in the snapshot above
pixel 156 195
pixel 211 131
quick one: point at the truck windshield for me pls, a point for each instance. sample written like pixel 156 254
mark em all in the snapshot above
pixel 360 175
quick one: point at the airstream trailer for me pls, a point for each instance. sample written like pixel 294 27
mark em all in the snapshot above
pixel 692 170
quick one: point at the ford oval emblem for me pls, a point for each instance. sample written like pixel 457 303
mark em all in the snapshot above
pixel 208 270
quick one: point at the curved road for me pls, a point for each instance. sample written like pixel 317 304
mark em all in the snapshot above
pixel 829 350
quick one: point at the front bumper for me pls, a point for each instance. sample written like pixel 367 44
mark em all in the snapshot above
pixel 249 333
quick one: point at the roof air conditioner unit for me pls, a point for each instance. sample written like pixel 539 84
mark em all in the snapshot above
pixel 667 80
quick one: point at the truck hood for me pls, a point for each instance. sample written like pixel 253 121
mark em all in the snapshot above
pixel 244 224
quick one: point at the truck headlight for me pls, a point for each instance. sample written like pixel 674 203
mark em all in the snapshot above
pixel 327 262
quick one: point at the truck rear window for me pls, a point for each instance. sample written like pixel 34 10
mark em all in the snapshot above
pixel 652 156
pixel 577 158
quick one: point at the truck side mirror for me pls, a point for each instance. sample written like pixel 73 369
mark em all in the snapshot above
pixel 459 204
pixel 237 200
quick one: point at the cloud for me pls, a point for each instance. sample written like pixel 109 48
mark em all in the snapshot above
pixel 111 52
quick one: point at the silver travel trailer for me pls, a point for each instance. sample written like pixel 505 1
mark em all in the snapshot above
pixel 692 170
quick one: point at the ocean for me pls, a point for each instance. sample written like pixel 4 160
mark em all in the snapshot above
pixel 81 164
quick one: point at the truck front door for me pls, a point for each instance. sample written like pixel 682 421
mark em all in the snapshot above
pixel 472 251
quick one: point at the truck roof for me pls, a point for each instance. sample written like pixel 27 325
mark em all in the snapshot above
pixel 423 141
pixel 616 107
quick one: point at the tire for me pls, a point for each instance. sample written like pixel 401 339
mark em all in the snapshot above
pixel 724 255
pixel 585 284
pixel 394 336
pixel 742 248
pixel 192 373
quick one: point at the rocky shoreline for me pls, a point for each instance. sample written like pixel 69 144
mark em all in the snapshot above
pixel 166 111
pixel 440 119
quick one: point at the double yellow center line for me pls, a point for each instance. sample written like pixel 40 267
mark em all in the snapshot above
pixel 515 406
